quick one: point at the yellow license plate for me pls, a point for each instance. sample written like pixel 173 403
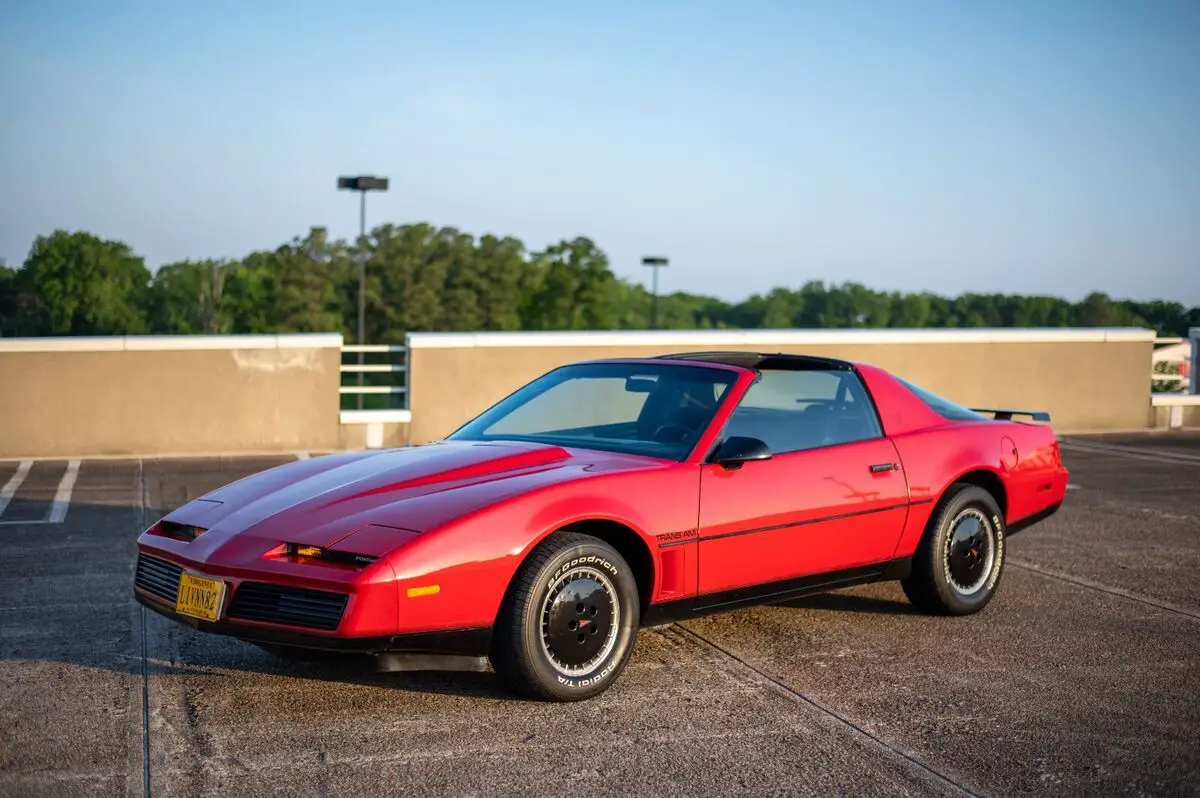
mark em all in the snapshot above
pixel 199 597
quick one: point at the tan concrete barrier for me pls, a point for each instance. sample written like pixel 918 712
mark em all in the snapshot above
pixel 92 396
pixel 1173 411
pixel 1089 379
pixel 147 395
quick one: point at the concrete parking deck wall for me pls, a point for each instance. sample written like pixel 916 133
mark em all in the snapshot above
pixel 1089 379
pixel 1175 411
pixel 95 396
pixel 147 395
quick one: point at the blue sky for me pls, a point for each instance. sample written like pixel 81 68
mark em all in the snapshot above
pixel 1030 147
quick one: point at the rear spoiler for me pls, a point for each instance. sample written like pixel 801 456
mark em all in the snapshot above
pixel 1006 415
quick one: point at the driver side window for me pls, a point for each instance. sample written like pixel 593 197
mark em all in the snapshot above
pixel 792 411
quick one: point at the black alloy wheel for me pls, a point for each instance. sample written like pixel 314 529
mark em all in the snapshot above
pixel 970 551
pixel 579 615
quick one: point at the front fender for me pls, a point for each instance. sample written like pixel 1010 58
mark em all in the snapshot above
pixel 474 559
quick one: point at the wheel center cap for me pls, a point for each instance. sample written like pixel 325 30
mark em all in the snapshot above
pixel 968 551
pixel 578 621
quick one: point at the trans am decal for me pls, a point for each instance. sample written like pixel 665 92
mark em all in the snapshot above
pixel 672 538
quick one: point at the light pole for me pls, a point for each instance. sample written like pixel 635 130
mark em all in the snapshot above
pixel 655 262
pixel 362 184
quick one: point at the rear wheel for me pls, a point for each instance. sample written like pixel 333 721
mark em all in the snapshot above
pixel 957 566
pixel 569 621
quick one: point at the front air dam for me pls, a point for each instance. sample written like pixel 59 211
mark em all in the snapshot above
pixel 394 662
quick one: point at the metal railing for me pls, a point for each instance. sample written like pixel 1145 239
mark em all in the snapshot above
pixel 1170 373
pixel 376 379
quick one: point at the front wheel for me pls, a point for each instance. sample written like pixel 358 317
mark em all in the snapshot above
pixel 569 621
pixel 957 566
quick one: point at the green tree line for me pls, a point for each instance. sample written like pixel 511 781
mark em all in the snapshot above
pixel 422 277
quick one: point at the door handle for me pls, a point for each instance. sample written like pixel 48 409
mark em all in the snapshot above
pixel 878 467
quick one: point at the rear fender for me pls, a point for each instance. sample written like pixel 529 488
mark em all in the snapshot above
pixel 1038 480
pixel 936 459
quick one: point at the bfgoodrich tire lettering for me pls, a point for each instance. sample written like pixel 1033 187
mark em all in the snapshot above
pixel 957 567
pixel 569 621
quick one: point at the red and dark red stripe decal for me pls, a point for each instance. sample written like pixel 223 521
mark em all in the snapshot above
pixel 692 535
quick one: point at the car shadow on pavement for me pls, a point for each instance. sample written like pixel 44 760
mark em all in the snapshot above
pixel 850 602
pixel 226 654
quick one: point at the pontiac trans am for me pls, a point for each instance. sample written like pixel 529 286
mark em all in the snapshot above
pixel 608 496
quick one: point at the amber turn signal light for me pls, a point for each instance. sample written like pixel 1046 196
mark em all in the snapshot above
pixel 318 553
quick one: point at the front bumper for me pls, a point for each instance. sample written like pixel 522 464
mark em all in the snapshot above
pixel 271 607
pixel 461 642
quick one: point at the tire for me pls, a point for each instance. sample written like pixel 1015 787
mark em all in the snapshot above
pixel 569 622
pixel 957 567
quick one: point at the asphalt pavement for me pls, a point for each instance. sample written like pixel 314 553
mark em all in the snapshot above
pixel 1081 678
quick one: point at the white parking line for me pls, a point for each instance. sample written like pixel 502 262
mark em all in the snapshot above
pixel 1117 447
pixel 62 496
pixel 1149 455
pixel 1072 486
pixel 14 482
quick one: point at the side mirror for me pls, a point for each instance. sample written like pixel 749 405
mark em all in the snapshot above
pixel 737 450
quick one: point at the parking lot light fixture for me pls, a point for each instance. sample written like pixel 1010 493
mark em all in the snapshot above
pixel 362 184
pixel 655 262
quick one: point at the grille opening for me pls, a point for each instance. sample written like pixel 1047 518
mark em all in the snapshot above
pixel 157 577
pixel 290 606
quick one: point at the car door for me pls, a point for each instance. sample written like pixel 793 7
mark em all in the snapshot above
pixel 833 496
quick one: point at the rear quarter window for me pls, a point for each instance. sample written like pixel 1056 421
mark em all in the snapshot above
pixel 942 406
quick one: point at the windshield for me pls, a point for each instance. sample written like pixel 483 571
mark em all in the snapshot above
pixel 943 407
pixel 653 409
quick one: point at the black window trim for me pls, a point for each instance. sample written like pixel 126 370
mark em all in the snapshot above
pixel 958 412
pixel 803 363
pixel 731 372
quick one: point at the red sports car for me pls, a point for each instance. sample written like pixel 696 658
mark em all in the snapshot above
pixel 603 497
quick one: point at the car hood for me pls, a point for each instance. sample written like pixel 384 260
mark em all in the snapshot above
pixel 321 501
